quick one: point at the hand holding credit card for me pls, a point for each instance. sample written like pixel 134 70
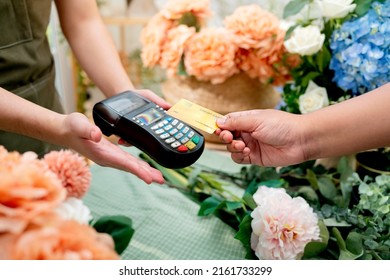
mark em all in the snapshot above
pixel 195 115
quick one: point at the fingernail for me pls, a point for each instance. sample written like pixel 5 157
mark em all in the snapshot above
pixel 221 121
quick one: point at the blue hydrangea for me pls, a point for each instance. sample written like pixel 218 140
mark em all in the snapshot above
pixel 360 51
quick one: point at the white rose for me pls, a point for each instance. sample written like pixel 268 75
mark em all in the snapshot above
pixel 305 40
pixel 336 8
pixel 74 209
pixel 313 99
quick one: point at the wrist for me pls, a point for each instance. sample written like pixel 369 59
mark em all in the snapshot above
pixel 310 137
pixel 58 131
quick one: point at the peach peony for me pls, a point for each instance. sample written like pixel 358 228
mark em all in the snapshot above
pixel 175 9
pixel 152 38
pixel 252 41
pixel 252 25
pixel 173 48
pixel 210 55
pixel 3 152
pixel 72 169
pixel 57 239
pixel 274 69
pixel 27 189
pixel 281 225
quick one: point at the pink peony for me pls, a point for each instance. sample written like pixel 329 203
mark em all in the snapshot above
pixel 175 9
pixel 273 69
pixel 210 55
pixel 252 25
pixel 72 169
pixel 3 152
pixel 251 41
pixel 153 37
pixel 51 238
pixel 27 189
pixel 281 225
pixel 173 48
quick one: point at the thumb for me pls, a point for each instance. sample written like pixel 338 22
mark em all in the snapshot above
pixel 83 128
pixel 235 122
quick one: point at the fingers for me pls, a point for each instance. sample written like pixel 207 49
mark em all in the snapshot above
pixel 115 157
pixel 239 121
pixel 145 172
pixel 155 98
pixel 226 136
pixel 241 158
pixel 123 143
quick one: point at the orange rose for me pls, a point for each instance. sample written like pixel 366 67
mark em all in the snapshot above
pixel 210 55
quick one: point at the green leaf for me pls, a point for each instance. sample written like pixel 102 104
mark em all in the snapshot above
pixel 233 205
pixel 309 77
pixel 252 187
pixel 244 235
pixel 354 243
pixel 273 183
pixel 345 254
pixel 294 7
pixel 313 248
pixel 362 7
pixel 384 209
pixel 119 227
pixel 323 58
pixel 327 188
pixel 344 168
pixel 312 178
pixel 308 193
pixel 209 206
pixel 289 32
pixel 248 199
pixel 332 222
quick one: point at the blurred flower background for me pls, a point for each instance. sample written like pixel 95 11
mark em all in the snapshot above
pixel 180 39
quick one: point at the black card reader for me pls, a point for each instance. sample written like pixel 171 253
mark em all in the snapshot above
pixel 170 142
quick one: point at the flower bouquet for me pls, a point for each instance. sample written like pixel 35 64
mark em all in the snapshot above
pixel 178 39
pixel 344 47
pixel 42 215
pixel 218 67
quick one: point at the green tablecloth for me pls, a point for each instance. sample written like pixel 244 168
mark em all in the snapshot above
pixel 165 220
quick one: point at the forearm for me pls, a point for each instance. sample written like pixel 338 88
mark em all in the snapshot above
pixel 23 117
pixel 92 45
pixel 357 124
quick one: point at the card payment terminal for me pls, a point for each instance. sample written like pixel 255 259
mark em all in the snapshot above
pixel 142 123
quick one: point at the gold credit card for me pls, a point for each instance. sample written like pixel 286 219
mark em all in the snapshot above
pixel 195 115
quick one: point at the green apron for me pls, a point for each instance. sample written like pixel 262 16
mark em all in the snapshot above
pixel 26 64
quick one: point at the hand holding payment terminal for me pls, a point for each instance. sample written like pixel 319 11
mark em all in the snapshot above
pixel 169 141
